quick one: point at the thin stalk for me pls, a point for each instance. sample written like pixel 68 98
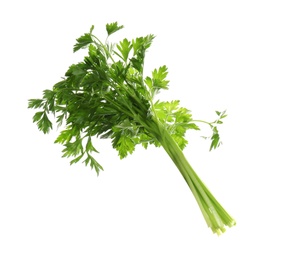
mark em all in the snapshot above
pixel 215 215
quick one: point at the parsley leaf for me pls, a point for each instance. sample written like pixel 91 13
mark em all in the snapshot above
pixel 113 27
pixel 83 42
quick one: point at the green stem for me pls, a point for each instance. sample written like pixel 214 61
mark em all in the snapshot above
pixel 215 215
pixel 202 121
pixel 104 48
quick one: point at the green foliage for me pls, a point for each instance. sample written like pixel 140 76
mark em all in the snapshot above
pixel 83 42
pixel 35 103
pixel 158 80
pixel 113 27
pixel 107 96
pixel 124 48
pixel 43 122
pixel 177 120
pixel 215 137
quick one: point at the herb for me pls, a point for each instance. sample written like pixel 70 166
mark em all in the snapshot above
pixel 107 96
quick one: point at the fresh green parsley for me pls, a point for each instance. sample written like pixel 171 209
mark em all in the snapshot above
pixel 107 95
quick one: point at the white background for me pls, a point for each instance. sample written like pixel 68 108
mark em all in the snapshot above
pixel 220 55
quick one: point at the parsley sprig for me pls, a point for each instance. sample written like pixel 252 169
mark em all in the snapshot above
pixel 107 96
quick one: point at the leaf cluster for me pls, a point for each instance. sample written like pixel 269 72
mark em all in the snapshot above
pixel 215 137
pixel 106 95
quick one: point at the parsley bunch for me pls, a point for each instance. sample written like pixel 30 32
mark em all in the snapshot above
pixel 107 96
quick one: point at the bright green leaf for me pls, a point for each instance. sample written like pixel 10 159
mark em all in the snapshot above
pixel 35 103
pixel 77 159
pixel 83 42
pixel 112 28
pixel 124 47
pixel 90 147
pixel 44 124
pixel 38 116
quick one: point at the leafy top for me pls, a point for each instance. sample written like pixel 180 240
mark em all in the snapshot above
pixel 106 95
